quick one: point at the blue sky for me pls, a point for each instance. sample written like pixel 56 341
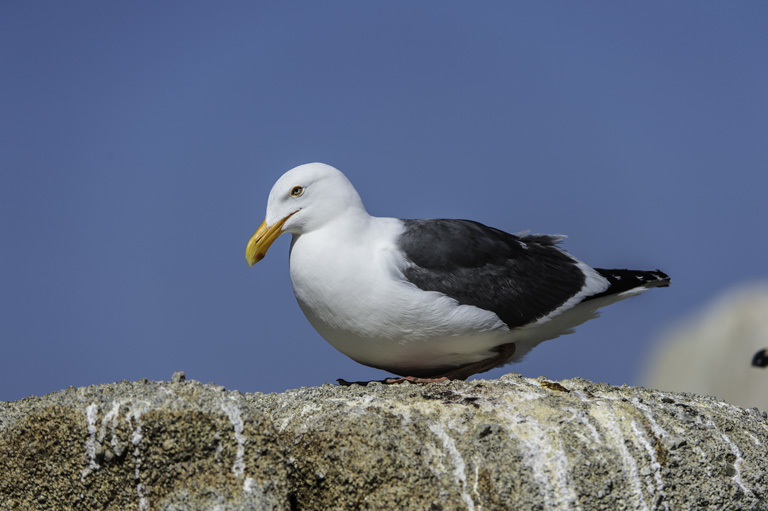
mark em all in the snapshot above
pixel 139 142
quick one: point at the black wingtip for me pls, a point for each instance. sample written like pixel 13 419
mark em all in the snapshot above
pixel 660 277
pixel 761 358
pixel 626 280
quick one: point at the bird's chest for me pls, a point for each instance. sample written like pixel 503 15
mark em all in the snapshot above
pixel 336 282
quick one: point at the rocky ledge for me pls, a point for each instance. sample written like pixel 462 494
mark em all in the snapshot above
pixel 512 443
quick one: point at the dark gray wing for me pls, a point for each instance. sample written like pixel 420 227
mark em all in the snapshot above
pixel 520 278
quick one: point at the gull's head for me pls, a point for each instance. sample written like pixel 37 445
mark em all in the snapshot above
pixel 304 199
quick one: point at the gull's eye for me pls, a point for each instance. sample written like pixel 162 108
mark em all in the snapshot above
pixel 297 191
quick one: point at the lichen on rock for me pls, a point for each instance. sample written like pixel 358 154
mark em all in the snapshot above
pixel 510 443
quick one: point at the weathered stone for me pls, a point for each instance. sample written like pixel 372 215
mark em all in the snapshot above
pixel 512 443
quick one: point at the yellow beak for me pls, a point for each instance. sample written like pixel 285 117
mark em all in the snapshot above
pixel 261 240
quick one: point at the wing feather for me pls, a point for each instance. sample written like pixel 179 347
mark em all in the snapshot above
pixel 521 278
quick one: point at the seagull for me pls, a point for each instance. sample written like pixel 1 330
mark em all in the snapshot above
pixel 430 299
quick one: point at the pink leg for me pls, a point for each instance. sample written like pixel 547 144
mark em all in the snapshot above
pixel 505 352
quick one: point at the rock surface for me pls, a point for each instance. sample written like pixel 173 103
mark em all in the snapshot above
pixel 512 443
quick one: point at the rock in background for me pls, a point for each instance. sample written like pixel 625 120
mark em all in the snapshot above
pixel 711 353
pixel 512 443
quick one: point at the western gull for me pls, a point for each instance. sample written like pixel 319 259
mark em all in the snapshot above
pixel 427 299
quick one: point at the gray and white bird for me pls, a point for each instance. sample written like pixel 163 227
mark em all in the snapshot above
pixel 427 299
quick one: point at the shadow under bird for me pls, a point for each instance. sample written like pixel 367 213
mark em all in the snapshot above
pixel 428 299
